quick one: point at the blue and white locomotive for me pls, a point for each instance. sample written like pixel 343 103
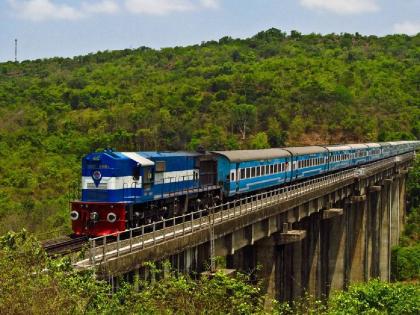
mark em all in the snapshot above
pixel 121 190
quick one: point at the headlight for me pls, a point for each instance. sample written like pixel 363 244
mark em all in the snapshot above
pixel 94 216
pixel 111 217
pixel 74 215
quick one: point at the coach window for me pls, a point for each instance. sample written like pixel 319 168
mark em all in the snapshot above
pixel 232 177
pixel 271 169
pixel 253 172
pixel 248 172
pixel 258 171
pixel 263 170
pixel 242 173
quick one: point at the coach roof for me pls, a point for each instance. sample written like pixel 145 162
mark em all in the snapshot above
pixel 253 155
pixel 306 150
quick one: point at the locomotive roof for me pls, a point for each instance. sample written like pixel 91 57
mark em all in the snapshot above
pixel 306 150
pixel 138 158
pixel 253 155
pixel 157 154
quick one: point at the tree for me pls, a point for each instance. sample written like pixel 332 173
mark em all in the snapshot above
pixel 259 141
pixel 244 118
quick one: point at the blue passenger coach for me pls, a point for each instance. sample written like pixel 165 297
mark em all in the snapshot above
pixel 339 157
pixel 374 151
pixel 360 153
pixel 308 161
pixel 243 171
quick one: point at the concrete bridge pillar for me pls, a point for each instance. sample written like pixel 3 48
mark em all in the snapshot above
pixel 402 187
pixel 311 255
pixel 286 272
pixel 395 212
pixel 356 241
pixel 333 252
pixel 373 232
pixel 266 255
pixel 290 262
pixel 385 232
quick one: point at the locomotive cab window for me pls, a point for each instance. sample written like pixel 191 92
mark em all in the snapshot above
pixel 136 172
pixel 147 176
pixel 160 166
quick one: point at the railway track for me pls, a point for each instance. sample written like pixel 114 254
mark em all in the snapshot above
pixel 64 245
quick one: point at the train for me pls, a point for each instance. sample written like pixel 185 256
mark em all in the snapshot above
pixel 123 190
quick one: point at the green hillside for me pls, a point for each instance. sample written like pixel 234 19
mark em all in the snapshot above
pixel 269 90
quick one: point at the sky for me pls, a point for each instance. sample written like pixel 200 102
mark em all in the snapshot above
pixel 66 28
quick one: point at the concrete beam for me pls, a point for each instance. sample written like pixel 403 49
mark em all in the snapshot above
pixel 331 213
pixel 290 236
pixel 375 188
pixel 355 199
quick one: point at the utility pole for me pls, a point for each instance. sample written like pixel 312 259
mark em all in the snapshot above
pixel 16 42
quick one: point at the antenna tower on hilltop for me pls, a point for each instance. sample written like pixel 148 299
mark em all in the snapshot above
pixel 16 49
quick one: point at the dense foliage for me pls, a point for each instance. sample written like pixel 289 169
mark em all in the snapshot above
pixel 377 297
pixel 373 297
pixel 268 90
pixel 32 283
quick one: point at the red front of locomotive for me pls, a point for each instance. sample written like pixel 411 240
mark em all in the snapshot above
pixel 97 218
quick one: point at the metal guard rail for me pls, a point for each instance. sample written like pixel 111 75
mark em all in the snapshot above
pixel 160 231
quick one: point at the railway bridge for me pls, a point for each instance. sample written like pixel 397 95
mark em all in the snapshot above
pixel 315 236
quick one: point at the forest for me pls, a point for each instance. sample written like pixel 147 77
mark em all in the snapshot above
pixel 269 90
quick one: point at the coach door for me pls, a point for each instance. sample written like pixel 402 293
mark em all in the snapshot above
pixel 208 171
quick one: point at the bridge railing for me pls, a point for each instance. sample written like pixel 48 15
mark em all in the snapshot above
pixel 104 247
